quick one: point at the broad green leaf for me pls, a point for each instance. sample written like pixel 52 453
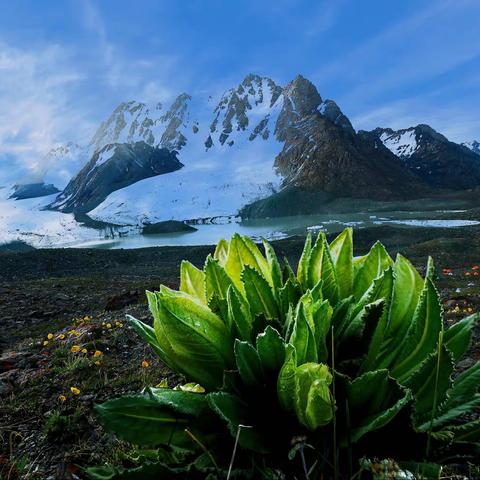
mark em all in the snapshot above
pixel 262 264
pixel 314 262
pixel 462 398
pixel 321 267
pixel 221 252
pixel 457 337
pixel 236 414
pixel 330 287
pixel 313 400
pixel 181 401
pixel 422 336
pixel 303 337
pixel 274 267
pixel 317 292
pixel 467 432
pixel 342 254
pixel 342 312
pixel 288 272
pixel 217 280
pixel 408 286
pixel 241 253
pixel 288 296
pixel 161 345
pixel 370 267
pixel 322 318
pixel 303 263
pixel 192 281
pixel 240 318
pixel 149 420
pixel 259 294
pixel 286 379
pixel 374 399
pixel 430 271
pixel 201 341
pixel 248 364
pixel 147 333
pixel 382 348
pixel 361 326
pixel 429 385
pixel 271 350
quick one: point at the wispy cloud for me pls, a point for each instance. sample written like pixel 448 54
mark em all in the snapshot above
pixel 35 112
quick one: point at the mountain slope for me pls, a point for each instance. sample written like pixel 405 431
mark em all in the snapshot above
pixel 439 162
pixel 32 190
pixel 111 168
pixel 474 146
pixel 322 152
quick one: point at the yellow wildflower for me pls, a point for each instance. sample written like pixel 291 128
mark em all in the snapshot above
pixel 98 363
pixel 97 353
pixel 45 343
pixel 109 325
pixel 145 364
pixel 75 349
pixel 61 336
pixel 84 350
pixel 119 324
pixel 62 398
pixel 50 336
pixel 75 390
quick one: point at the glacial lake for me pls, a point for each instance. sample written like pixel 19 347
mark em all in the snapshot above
pixel 283 227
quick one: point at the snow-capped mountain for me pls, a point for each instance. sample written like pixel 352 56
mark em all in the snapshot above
pixel 111 168
pixel 431 156
pixel 474 146
pixel 258 138
pixel 200 158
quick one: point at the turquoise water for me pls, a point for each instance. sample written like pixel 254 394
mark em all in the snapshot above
pixel 282 227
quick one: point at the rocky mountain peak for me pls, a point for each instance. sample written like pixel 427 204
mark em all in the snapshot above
pixel 303 96
pixel 474 146
pixel 239 106
pixel 329 109
pixel 431 156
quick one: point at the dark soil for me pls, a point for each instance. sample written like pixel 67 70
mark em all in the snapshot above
pixel 81 298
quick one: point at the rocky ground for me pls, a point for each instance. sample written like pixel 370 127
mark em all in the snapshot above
pixel 66 345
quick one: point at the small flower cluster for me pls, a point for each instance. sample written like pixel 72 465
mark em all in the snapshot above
pixel 74 391
pixel 474 271
pixel 109 326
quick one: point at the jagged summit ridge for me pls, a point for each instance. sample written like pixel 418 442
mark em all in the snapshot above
pixel 431 156
pixel 474 146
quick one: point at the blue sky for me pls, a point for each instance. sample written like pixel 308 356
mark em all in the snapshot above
pixel 65 64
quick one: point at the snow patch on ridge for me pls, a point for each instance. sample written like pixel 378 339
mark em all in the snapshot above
pixel 401 144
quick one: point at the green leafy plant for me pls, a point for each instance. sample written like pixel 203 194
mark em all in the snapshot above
pixel 305 373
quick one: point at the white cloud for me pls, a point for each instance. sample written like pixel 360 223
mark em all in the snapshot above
pixel 35 88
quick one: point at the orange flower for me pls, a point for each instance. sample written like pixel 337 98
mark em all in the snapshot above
pixel 145 364
pixel 75 349
pixel 97 353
